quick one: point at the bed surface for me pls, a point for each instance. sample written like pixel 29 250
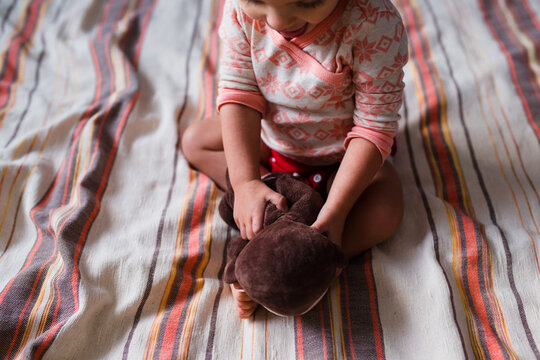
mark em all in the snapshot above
pixel 111 246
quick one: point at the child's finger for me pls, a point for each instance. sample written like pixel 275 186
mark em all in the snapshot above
pixel 256 224
pixel 243 231
pixel 278 200
pixel 249 230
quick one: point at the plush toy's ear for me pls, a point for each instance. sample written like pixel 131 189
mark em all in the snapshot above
pixel 304 202
pixel 271 212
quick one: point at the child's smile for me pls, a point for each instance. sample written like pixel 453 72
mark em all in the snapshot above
pixel 289 34
pixel 292 18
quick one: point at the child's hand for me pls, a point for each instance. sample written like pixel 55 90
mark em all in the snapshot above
pixel 250 199
pixel 331 225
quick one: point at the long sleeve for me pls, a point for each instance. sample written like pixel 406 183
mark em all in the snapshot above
pixel 380 52
pixel 237 83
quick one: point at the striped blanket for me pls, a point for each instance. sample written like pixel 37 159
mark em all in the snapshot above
pixel 111 246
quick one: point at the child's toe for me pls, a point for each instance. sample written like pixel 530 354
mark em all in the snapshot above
pixel 244 313
pixel 245 305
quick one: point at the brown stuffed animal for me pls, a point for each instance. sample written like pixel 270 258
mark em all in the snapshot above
pixel 288 266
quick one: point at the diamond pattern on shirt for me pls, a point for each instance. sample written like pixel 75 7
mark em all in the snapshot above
pixel 282 59
pixel 367 45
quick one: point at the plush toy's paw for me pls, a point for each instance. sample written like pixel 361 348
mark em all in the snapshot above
pixel 303 202
pixel 234 247
pixel 226 205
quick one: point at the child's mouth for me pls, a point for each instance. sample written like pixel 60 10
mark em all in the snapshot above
pixel 295 33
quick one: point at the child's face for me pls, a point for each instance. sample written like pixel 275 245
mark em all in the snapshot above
pixel 290 17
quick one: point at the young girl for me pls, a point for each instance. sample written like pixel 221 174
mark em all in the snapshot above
pixel 311 87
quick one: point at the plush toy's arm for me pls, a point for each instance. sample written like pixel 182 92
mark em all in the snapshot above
pixel 234 248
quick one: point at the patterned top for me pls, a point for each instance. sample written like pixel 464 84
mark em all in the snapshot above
pixel 341 80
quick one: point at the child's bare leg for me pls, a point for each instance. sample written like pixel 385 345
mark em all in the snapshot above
pixel 203 147
pixel 376 215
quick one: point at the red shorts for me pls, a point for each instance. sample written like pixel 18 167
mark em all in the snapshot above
pixel 315 176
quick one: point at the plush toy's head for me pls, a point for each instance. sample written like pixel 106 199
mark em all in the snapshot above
pixel 288 266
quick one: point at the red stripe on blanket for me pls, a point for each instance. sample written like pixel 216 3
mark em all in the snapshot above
pixel 431 222
pixel 323 331
pixel 299 339
pixel 358 323
pixel 377 330
pixel 110 123
pixel 361 326
pixel 479 300
pixel 11 66
pixel 179 300
pixel 348 315
pixel 522 74
pixel 174 324
pixel 314 333
pixel 160 326
pixel 209 78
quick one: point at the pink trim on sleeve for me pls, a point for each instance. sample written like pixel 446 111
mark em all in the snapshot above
pixel 250 99
pixel 382 139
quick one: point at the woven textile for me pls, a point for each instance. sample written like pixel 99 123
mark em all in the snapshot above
pixel 111 246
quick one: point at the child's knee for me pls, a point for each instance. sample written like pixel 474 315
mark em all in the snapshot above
pixel 395 216
pixel 390 212
pixel 189 143
pixel 385 215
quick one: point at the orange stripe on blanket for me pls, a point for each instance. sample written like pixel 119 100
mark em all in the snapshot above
pixel 86 227
pixel 377 331
pixel 211 64
pixel 33 314
pixel 187 280
pixel 34 286
pixel 348 314
pixel 187 328
pixel 30 258
pixel 323 331
pixel 512 66
pixel 452 188
pixel 152 339
pixel 193 193
pixel 197 196
pixel 108 165
pixel 14 58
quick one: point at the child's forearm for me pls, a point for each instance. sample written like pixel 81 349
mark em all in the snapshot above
pixel 241 131
pixel 361 162
pixel 241 127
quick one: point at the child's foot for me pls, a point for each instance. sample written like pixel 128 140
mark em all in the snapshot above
pixel 245 305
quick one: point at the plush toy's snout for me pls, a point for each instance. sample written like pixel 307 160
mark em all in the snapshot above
pixel 288 266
